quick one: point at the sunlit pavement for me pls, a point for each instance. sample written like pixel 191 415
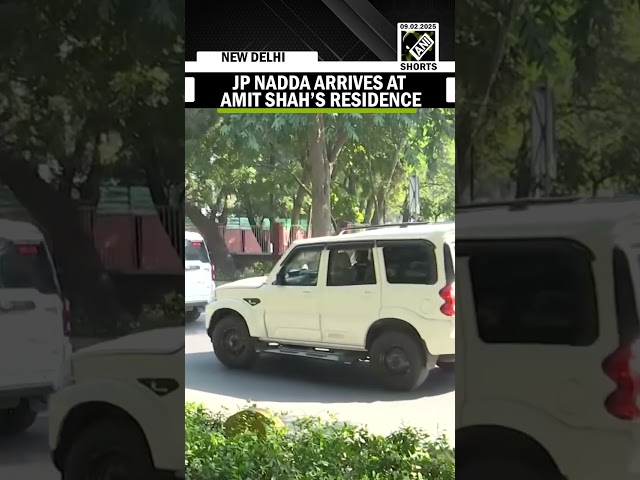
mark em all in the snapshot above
pixel 293 385
pixel 313 387
pixel 26 456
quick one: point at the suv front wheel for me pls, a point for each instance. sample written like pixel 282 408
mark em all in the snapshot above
pixel 232 342
pixel 108 449
pixel 398 361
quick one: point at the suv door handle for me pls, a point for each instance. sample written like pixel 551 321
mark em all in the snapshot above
pixel 306 291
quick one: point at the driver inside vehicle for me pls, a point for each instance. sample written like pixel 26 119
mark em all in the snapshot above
pixel 339 268
pixel 363 273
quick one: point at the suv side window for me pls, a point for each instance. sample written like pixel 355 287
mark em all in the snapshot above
pixel 410 262
pixel 351 265
pixel 301 266
pixel 533 292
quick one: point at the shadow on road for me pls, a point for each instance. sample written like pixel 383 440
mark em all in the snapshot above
pixel 278 378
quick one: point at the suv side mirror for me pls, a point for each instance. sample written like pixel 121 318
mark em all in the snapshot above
pixel 280 277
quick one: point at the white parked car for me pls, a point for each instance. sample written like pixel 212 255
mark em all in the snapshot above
pixel 199 276
pixel 123 416
pixel 384 295
pixel 35 350
pixel 548 382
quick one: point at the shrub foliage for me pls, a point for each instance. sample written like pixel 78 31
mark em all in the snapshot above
pixel 310 449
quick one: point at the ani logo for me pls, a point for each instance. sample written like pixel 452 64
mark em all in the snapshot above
pixel 418 42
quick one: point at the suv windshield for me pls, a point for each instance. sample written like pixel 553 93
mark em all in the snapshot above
pixel 196 251
pixel 26 265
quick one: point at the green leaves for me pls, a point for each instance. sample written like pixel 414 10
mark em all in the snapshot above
pixel 587 52
pixel 262 161
pixel 310 449
pixel 81 71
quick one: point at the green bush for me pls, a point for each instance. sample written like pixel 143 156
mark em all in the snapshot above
pixel 311 449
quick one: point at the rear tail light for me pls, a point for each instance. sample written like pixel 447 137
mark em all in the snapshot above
pixel 622 367
pixel 213 272
pixel 448 294
pixel 27 249
pixel 66 318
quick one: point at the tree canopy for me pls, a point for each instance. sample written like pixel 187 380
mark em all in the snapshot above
pixel 90 94
pixel 588 53
pixel 327 168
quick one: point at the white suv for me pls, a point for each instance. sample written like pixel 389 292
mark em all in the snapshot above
pixel 199 276
pixel 122 417
pixel 384 295
pixel 35 350
pixel 548 382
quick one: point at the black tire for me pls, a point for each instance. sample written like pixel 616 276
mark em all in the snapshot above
pixel 191 315
pixel 503 468
pixel 14 421
pixel 108 447
pixel 413 371
pixel 232 342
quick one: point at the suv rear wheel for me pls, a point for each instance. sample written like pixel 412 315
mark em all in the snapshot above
pixel 16 420
pixel 232 342
pixel 192 315
pixel 398 361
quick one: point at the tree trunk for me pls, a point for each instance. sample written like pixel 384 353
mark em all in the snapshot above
pixel 595 186
pixel 222 259
pixel 90 189
pixel 65 186
pixel 524 180
pixel 351 185
pixel 298 201
pixel 321 180
pixel 221 210
pixel 379 213
pixel 368 211
pixel 406 214
pixel 469 117
pixel 83 277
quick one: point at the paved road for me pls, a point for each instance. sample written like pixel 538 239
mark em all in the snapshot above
pixel 286 384
pixel 300 386
pixel 26 457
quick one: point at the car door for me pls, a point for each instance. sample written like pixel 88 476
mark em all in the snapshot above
pixel 33 343
pixel 351 298
pixel 292 305
pixel 198 280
